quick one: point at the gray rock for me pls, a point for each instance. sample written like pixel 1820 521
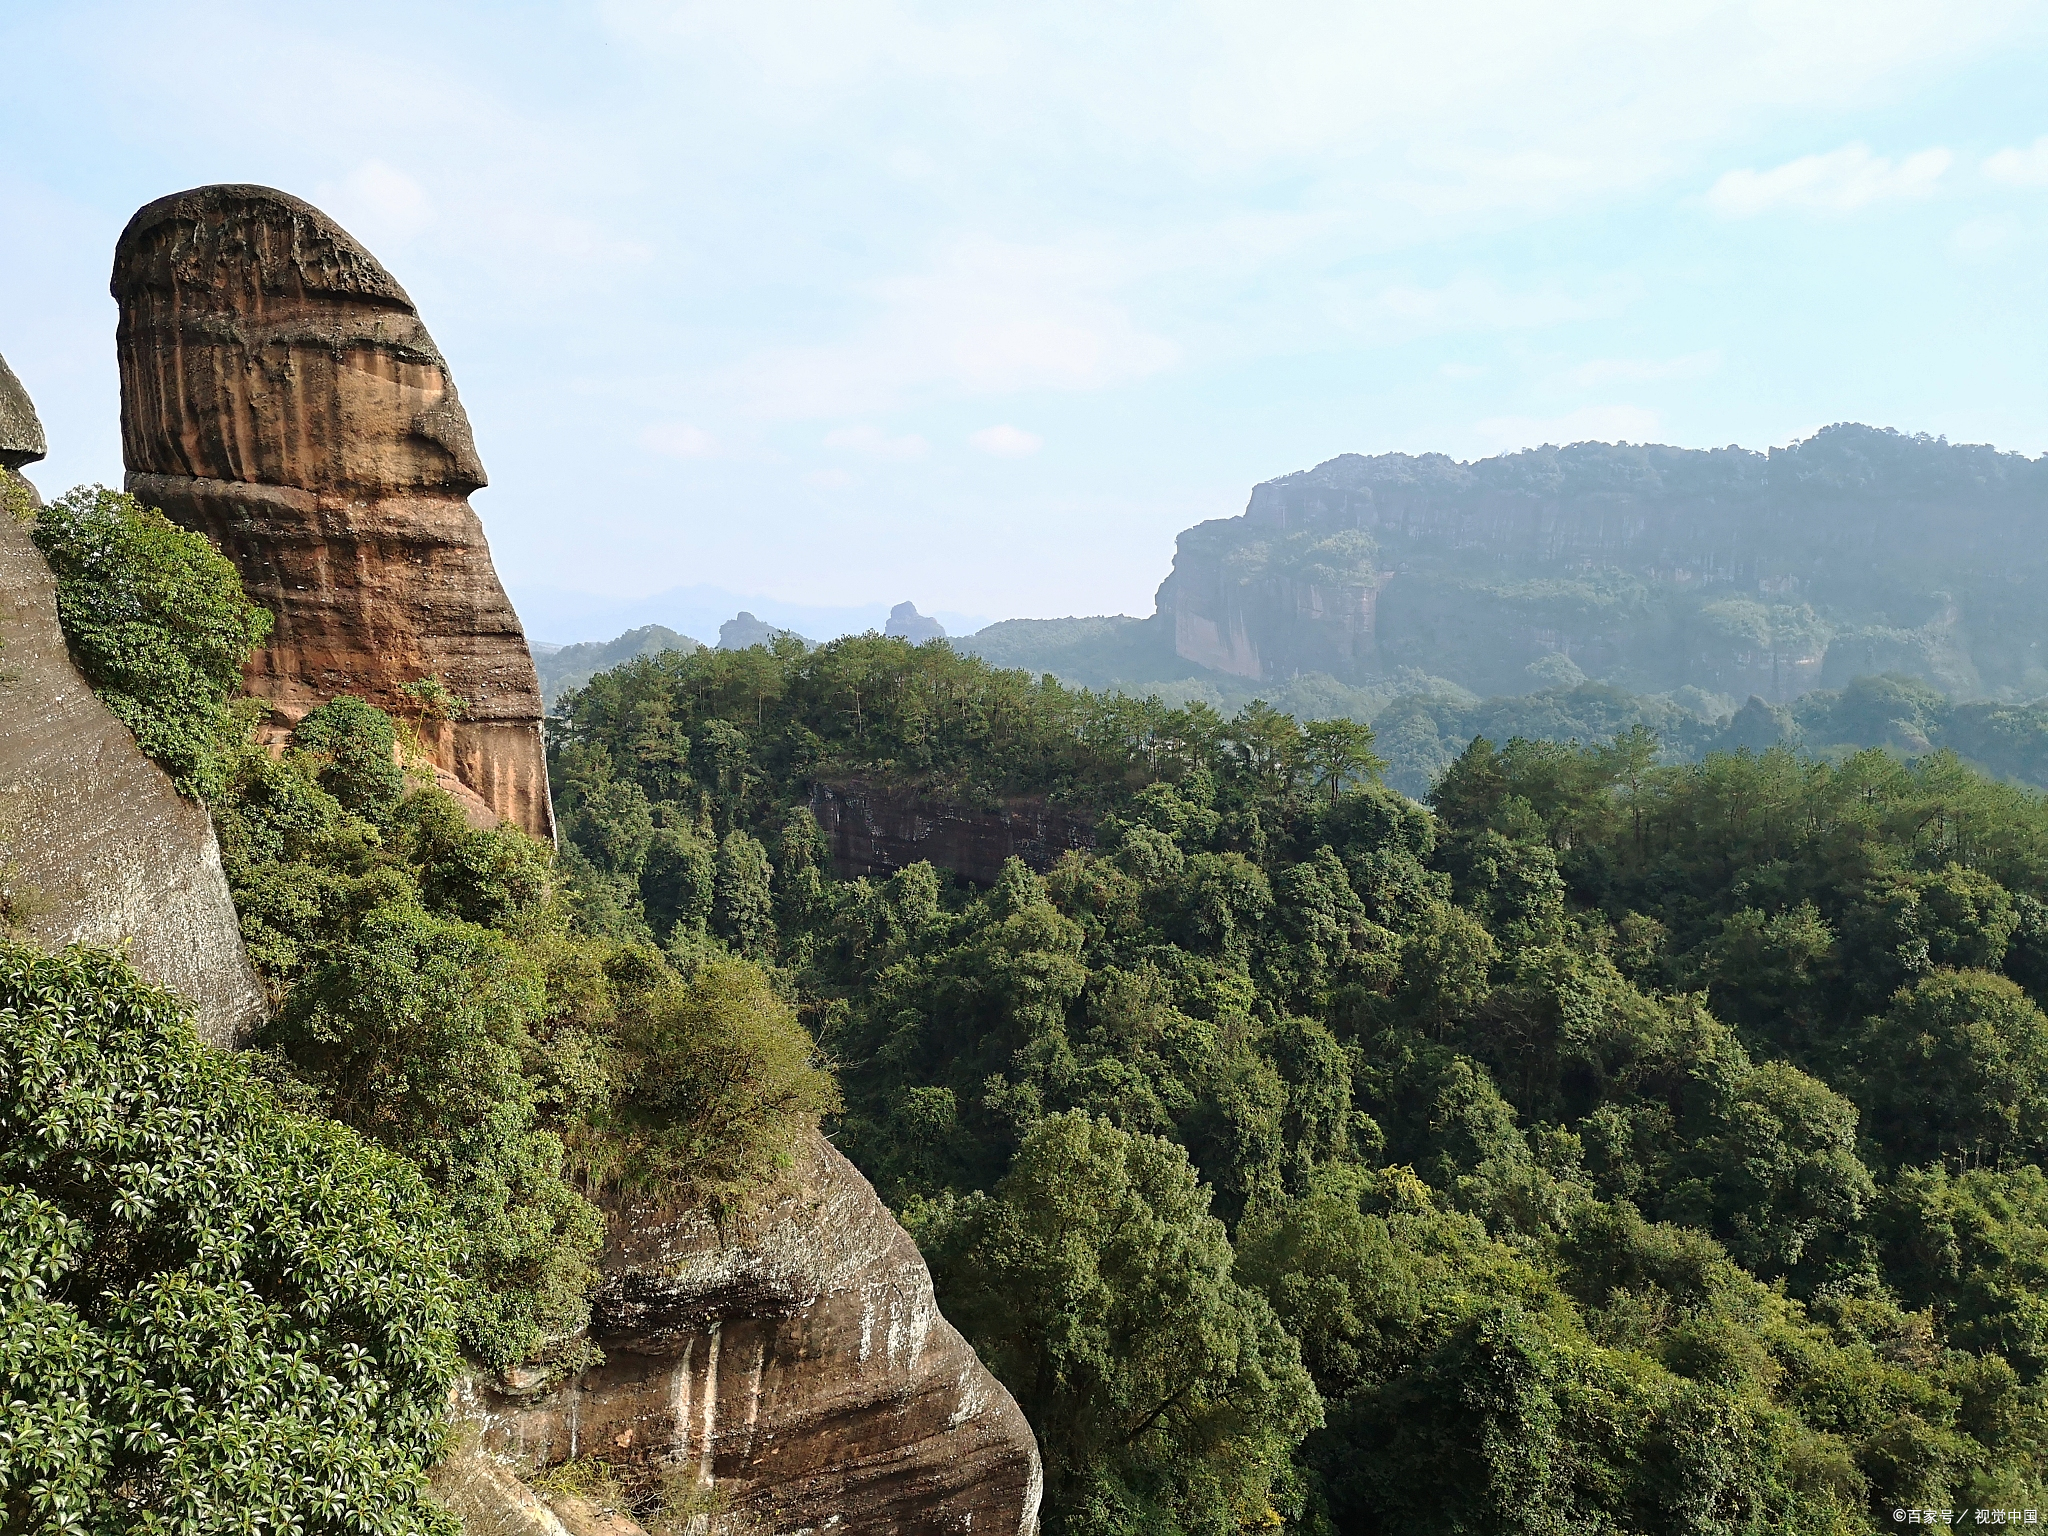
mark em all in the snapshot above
pixel 743 630
pixel 21 434
pixel 96 847
pixel 906 623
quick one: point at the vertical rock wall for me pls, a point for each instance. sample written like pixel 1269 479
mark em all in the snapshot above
pixel 96 847
pixel 280 395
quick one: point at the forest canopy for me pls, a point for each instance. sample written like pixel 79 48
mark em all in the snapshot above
pixel 1605 1142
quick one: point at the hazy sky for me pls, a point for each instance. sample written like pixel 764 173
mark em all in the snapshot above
pixel 841 303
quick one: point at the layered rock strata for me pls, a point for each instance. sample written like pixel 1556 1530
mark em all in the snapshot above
pixel 877 829
pixel 795 1365
pixel 280 395
pixel 96 847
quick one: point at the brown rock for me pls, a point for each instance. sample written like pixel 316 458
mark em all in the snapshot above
pixel 797 1364
pixel 877 829
pixel 96 847
pixel 488 1498
pixel 280 395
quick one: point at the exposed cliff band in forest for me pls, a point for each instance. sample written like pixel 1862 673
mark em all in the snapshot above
pixel 280 395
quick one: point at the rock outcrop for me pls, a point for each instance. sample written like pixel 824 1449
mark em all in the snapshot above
pixel 280 395
pixel 21 432
pixel 906 623
pixel 1652 567
pixel 794 1365
pixel 96 847
pixel 877 829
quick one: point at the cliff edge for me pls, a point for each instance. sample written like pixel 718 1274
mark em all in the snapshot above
pixel 796 1364
pixel 96 847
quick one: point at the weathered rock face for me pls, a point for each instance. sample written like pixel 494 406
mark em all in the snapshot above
pixel 797 1363
pixel 280 395
pixel 21 433
pixel 875 829
pixel 96 847
pixel 1648 566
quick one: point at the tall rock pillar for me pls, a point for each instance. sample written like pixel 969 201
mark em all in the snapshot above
pixel 280 395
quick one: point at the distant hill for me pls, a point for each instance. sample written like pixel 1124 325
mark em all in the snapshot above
pixel 1857 551
pixel 563 667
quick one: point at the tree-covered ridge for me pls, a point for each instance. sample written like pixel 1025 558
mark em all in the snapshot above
pixel 1611 1143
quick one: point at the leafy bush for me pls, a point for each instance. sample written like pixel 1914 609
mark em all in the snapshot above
pixel 715 1080
pixel 216 1313
pixel 156 619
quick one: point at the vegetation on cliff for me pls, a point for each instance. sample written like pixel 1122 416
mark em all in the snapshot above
pixel 1637 1145
pixel 494 1066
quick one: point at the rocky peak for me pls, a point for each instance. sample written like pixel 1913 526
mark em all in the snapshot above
pixel 906 623
pixel 743 630
pixel 280 395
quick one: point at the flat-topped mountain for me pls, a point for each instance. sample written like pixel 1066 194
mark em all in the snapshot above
pixel 1859 550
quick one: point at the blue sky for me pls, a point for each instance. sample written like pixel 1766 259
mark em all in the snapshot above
pixel 827 305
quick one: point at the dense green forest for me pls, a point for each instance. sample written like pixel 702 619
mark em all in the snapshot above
pixel 1605 1144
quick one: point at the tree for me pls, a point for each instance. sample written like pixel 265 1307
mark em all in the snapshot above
pixel 213 1314
pixel 715 1082
pixel 355 745
pixel 1338 754
pixel 156 619
pixel 743 905
pixel 1956 1071
pixel 414 1032
pixel 1098 1287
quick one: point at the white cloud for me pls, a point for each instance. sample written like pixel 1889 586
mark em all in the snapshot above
pixel 1006 441
pixel 2021 167
pixel 1592 423
pixel 1838 182
pixel 1638 370
pixel 680 440
pixel 873 443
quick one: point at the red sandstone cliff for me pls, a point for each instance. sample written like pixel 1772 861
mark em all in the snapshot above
pixel 797 1362
pixel 280 395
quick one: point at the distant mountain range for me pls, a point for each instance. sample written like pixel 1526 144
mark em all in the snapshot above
pixel 1602 583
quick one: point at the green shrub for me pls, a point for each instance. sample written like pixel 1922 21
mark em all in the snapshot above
pixel 356 746
pixel 415 1032
pixel 716 1080
pixel 156 619
pixel 213 1314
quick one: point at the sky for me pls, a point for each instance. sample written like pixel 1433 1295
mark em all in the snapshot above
pixel 818 307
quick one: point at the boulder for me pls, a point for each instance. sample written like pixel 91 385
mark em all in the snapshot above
pixel 96 847
pixel 280 395
pixel 21 433
pixel 793 1363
